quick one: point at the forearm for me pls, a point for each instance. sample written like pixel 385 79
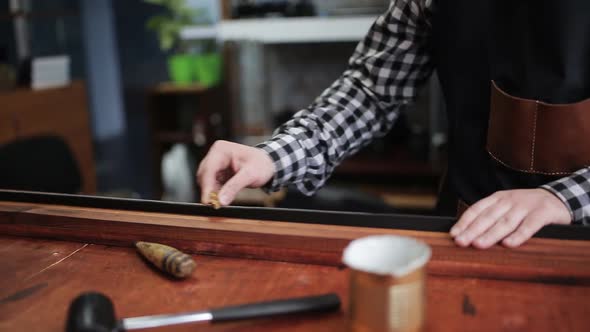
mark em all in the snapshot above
pixel 384 74
pixel 307 148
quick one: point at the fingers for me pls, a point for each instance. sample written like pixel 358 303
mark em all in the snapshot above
pixel 486 219
pixel 230 189
pixel 511 216
pixel 230 167
pixel 504 226
pixel 210 167
pixel 469 216
pixel 529 226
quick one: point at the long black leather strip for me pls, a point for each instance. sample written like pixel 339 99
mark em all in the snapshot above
pixel 372 220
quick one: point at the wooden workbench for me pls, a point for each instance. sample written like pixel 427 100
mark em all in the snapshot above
pixel 51 252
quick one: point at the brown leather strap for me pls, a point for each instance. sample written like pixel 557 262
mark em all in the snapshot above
pixel 535 137
pixel 461 208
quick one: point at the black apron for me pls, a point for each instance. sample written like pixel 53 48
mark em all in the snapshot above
pixel 515 75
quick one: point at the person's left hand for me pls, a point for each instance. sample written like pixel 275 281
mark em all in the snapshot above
pixel 511 216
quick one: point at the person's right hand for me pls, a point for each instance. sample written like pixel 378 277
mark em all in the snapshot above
pixel 230 167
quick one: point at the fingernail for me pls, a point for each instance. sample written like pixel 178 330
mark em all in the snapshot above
pixel 454 231
pixel 481 242
pixel 460 239
pixel 223 199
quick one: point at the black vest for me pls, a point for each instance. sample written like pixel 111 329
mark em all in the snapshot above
pixel 534 49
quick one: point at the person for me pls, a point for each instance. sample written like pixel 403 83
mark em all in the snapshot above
pixel 516 82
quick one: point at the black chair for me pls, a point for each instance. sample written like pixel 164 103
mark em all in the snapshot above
pixel 43 163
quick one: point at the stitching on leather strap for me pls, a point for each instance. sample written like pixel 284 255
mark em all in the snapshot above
pixel 534 135
pixel 529 171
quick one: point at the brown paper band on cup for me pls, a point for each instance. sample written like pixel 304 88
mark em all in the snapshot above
pixel 392 296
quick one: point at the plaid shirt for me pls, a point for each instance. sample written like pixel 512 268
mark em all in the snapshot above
pixel 384 74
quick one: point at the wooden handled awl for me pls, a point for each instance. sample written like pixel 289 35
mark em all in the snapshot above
pixel 167 259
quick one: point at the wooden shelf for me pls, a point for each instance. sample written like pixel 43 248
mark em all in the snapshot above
pixel 404 198
pixel 29 90
pixel 286 30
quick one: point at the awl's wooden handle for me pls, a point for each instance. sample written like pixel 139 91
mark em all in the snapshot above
pixel 167 259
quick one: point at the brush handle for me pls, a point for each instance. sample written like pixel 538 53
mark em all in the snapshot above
pixel 327 302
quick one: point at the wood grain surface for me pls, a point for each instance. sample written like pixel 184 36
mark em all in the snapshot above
pixel 539 260
pixel 39 284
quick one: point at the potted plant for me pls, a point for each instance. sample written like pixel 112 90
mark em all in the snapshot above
pixel 190 61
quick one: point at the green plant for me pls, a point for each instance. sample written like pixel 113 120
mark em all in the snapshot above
pixel 169 25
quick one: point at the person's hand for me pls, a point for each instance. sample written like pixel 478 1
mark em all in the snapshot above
pixel 230 167
pixel 511 216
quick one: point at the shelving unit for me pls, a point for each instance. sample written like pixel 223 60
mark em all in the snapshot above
pixel 285 30
pixel 182 114
pixel 175 89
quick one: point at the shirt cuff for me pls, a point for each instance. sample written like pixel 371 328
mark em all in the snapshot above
pixel 574 192
pixel 289 160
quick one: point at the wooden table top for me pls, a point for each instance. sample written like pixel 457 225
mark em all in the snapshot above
pixel 50 253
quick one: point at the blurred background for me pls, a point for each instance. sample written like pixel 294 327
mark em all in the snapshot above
pixel 123 98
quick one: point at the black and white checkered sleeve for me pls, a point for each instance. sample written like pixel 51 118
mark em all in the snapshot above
pixel 383 74
pixel 574 191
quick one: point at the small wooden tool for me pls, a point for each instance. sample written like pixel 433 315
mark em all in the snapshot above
pixel 167 259
pixel 214 200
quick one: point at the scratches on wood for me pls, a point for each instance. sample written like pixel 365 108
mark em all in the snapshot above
pixel 59 261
